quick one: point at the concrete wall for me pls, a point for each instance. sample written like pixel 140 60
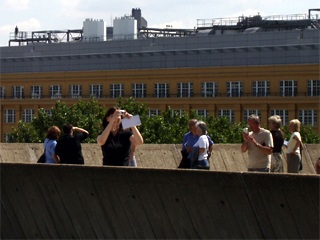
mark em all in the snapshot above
pixel 225 157
pixel 41 201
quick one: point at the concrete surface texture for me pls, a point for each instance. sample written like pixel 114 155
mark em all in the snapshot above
pixel 225 157
pixel 42 201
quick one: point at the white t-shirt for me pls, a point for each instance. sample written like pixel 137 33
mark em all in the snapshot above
pixel 203 142
pixel 258 159
pixel 292 143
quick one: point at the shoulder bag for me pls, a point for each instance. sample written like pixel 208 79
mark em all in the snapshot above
pixel 42 158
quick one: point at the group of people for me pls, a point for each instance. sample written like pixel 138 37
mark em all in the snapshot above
pixel 196 146
pixel 265 147
pixel 117 144
pixel 67 150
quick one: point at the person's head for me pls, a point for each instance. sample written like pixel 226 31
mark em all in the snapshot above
pixel 294 125
pixel 53 133
pixel 254 123
pixel 67 129
pixel 201 128
pixel 109 115
pixel 274 122
pixel 192 126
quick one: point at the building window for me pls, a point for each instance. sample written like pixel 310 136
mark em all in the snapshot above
pixel 202 112
pixel 154 112
pixel 261 88
pixel 75 91
pixel 228 113
pixel 55 91
pixel 18 92
pixel 95 90
pixel 313 88
pixel 177 111
pixel 161 90
pixel 27 115
pixel 36 92
pixel 209 89
pixel 9 116
pixel 5 137
pixel 48 112
pixel 308 117
pixel 139 90
pixel 2 92
pixel 283 114
pixel 234 89
pixel 116 90
pixel 185 89
pixel 248 112
pixel 288 88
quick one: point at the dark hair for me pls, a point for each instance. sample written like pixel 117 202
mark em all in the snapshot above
pixel 108 114
pixel 67 128
pixel 53 133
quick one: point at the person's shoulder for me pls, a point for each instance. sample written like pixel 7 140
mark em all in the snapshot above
pixel 203 138
pixel 187 134
pixel 266 131
pixel 53 142
pixel 296 134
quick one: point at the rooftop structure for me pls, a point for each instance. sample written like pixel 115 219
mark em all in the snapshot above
pixel 139 29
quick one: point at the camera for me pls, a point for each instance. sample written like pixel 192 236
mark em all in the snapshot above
pixel 245 130
pixel 122 112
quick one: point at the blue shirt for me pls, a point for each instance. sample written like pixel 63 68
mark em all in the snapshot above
pixel 50 146
pixel 190 140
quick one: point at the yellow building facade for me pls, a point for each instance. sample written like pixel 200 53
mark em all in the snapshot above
pixel 234 91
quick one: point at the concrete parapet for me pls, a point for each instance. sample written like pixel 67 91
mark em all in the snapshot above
pixel 42 201
pixel 225 157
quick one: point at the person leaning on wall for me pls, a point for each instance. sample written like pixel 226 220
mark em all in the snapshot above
pixel 278 139
pixel 189 139
pixel 293 147
pixel 259 144
pixel 203 144
pixel 50 144
pixel 116 142
pixel 69 147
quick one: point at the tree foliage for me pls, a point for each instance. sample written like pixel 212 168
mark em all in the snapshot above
pixel 84 115
pixel 168 127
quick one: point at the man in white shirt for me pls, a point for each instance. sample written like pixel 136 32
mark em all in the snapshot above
pixel 259 144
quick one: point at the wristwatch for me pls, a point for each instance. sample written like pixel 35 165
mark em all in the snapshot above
pixel 257 144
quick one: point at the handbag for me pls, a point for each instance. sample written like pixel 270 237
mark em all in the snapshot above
pixel 301 165
pixel 185 163
pixel 42 158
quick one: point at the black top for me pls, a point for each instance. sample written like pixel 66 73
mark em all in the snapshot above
pixel 69 149
pixel 116 150
pixel 278 138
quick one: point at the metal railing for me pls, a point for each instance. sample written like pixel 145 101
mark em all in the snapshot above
pixel 233 21
pixel 194 95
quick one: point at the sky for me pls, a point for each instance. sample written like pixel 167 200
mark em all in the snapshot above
pixel 36 15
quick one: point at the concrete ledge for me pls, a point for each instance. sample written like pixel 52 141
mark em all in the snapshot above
pixel 42 201
pixel 225 157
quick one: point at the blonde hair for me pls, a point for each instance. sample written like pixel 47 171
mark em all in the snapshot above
pixel 296 124
pixel 275 120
